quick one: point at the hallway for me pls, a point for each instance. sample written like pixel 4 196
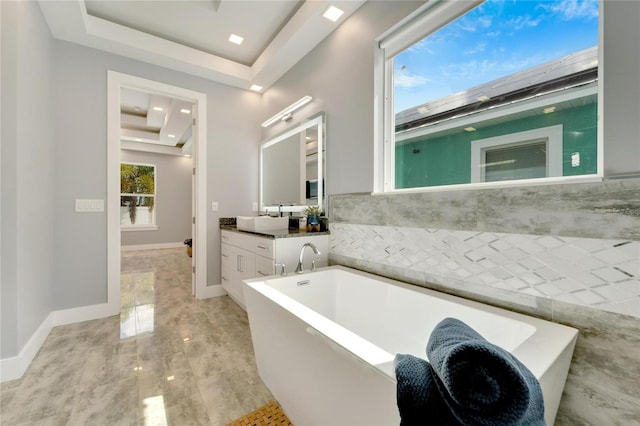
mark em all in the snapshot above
pixel 168 359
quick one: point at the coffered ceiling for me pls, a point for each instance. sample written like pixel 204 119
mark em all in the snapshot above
pixel 155 123
pixel 193 36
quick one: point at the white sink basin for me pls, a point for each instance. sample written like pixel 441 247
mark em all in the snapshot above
pixel 262 223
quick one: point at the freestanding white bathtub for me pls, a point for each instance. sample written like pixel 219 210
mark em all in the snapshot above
pixel 325 342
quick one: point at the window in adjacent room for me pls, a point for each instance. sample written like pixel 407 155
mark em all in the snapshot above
pixel 461 76
pixel 137 196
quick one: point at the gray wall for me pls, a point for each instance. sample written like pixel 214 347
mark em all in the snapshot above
pixel 27 174
pixel 80 117
pixel 621 67
pixel 602 386
pixel 173 199
pixel 338 74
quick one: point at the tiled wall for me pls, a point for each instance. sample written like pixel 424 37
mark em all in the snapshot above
pixel 600 273
pixel 566 253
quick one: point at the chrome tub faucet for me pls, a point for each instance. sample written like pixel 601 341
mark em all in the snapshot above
pixel 300 268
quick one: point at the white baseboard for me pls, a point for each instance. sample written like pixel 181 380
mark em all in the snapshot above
pixel 152 246
pixel 215 290
pixel 13 368
pixel 84 313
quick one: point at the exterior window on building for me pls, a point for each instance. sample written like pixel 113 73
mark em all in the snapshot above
pixel 137 195
pixel 531 154
pixel 527 161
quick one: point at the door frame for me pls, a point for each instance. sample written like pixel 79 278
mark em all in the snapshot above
pixel 116 81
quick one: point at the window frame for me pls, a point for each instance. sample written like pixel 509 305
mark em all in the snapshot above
pixel 143 227
pixel 428 18
pixel 552 135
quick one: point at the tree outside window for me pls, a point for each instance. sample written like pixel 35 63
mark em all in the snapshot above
pixel 137 194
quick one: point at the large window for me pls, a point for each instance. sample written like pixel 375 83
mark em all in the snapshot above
pixel 470 88
pixel 137 196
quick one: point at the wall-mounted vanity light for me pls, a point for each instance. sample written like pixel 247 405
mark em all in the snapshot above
pixel 285 114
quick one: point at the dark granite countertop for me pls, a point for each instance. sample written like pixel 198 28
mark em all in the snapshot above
pixel 289 233
pixel 229 224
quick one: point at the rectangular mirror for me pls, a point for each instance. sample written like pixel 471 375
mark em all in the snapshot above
pixel 292 166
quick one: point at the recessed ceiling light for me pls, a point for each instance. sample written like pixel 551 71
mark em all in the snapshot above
pixel 549 110
pixel 483 98
pixel 333 13
pixel 157 109
pixel 233 38
pixel 185 111
pixel 422 110
pixel 470 129
pixel 255 88
pixel 137 139
pixel 171 136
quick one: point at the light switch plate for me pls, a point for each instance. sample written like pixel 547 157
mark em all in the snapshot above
pixel 87 205
pixel 214 206
pixel 255 206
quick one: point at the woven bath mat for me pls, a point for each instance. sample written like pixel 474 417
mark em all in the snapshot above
pixel 268 415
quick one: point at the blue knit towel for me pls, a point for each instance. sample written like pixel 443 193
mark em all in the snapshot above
pixel 469 382
pixel 419 401
pixel 481 383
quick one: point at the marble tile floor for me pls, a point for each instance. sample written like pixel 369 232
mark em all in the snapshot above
pixel 169 359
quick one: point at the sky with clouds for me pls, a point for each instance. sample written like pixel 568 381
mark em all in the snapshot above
pixel 497 38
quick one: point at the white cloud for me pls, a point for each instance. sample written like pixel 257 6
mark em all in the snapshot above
pixel 523 21
pixel 485 21
pixel 468 26
pixel 478 48
pixel 404 79
pixel 574 9
pixel 471 70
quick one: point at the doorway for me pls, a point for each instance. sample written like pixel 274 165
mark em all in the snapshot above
pixel 117 82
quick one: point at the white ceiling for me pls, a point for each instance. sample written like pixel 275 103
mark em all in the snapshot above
pixel 203 25
pixel 192 36
pixel 147 118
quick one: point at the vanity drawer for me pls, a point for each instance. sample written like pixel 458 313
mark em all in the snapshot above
pixel 264 247
pixel 243 241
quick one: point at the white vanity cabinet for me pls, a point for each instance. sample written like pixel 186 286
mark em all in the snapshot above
pixel 237 264
pixel 246 255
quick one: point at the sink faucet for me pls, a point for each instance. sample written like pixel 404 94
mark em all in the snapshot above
pixel 300 268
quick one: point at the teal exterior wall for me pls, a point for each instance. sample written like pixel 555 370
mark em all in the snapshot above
pixel 446 160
